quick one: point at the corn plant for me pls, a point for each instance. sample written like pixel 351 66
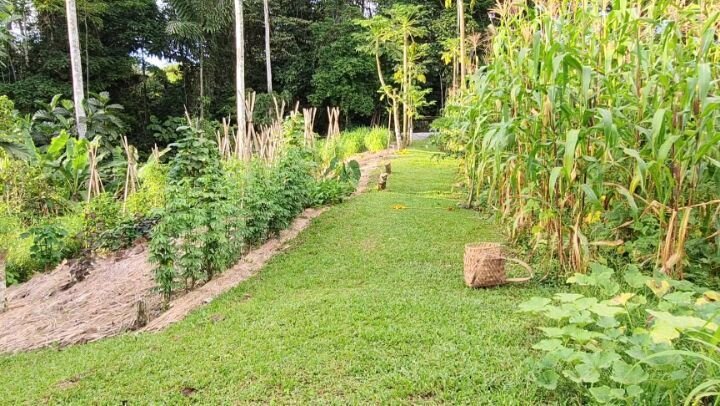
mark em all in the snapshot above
pixel 593 130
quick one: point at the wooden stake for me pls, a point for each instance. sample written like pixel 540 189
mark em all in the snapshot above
pixel 382 181
pixel 333 122
pixel 95 186
pixel 131 180
pixel 244 139
pixel 309 117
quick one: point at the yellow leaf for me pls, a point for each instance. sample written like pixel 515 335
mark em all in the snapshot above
pixel 622 298
pixel 399 207
pixel 663 333
pixel 708 297
pixel 712 296
pixel 659 288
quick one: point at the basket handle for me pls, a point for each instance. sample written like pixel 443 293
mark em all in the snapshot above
pixel 524 265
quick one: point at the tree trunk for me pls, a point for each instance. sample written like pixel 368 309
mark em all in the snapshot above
pixel 268 64
pixel 3 298
pixel 461 27
pixel 406 92
pixel 396 122
pixel 240 76
pixel 202 82
pixel 76 66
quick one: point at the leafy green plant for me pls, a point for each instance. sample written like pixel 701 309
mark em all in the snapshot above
pixel 56 117
pixel 100 214
pixel 191 243
pixel 150 196
pixel 165 131
pixel 634 339
pixel 47 248
pixel 127 232
pixel 66 163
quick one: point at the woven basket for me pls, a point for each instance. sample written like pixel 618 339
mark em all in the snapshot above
pixel 485 266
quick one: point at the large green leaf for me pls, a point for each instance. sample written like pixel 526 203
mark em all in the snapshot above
pixel 571 140
pixel 535 304
pixel 627 374
pixel 605 394
pixel 547 379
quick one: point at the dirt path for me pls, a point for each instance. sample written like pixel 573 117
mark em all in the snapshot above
pixel 49 310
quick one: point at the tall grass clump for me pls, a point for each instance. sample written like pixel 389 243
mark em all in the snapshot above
pixel 353 142
pixel 377 139
pixel 592 129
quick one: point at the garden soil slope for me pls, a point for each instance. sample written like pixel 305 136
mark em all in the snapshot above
pixel 50 310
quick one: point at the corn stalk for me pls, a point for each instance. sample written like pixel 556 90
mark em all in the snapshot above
pixel 595 112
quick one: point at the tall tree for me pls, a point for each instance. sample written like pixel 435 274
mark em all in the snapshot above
pixel 198 20
pixel 268 65
pixel 76 67
pixel 240 76
pixel 395 36
pixel 461 57
pixel 461 30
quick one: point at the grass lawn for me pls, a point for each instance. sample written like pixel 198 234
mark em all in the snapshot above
pixel 368 306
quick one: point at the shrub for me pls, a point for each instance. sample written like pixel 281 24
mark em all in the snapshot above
pixel 377 139
pixel 100 214
pixel 150 195
pixel 39 247
pixel 190 243
pixel 47 244
pixel 275 195
pixel 126 233
pixel 29 191
pixel 19 262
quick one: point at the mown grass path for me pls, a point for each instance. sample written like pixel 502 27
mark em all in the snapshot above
pixel 367 306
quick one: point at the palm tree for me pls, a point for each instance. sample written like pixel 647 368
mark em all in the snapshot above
pixel 196 19
pixel 268 69
pixel 76 67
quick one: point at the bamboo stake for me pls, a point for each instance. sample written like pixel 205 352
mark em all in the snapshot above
pixel 131 180
pixel 246 138
pixel 279 109
pixel 333 122
pixel 95 186
pixel 309 119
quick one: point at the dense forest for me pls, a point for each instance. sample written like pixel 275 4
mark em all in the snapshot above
pixel 158 58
